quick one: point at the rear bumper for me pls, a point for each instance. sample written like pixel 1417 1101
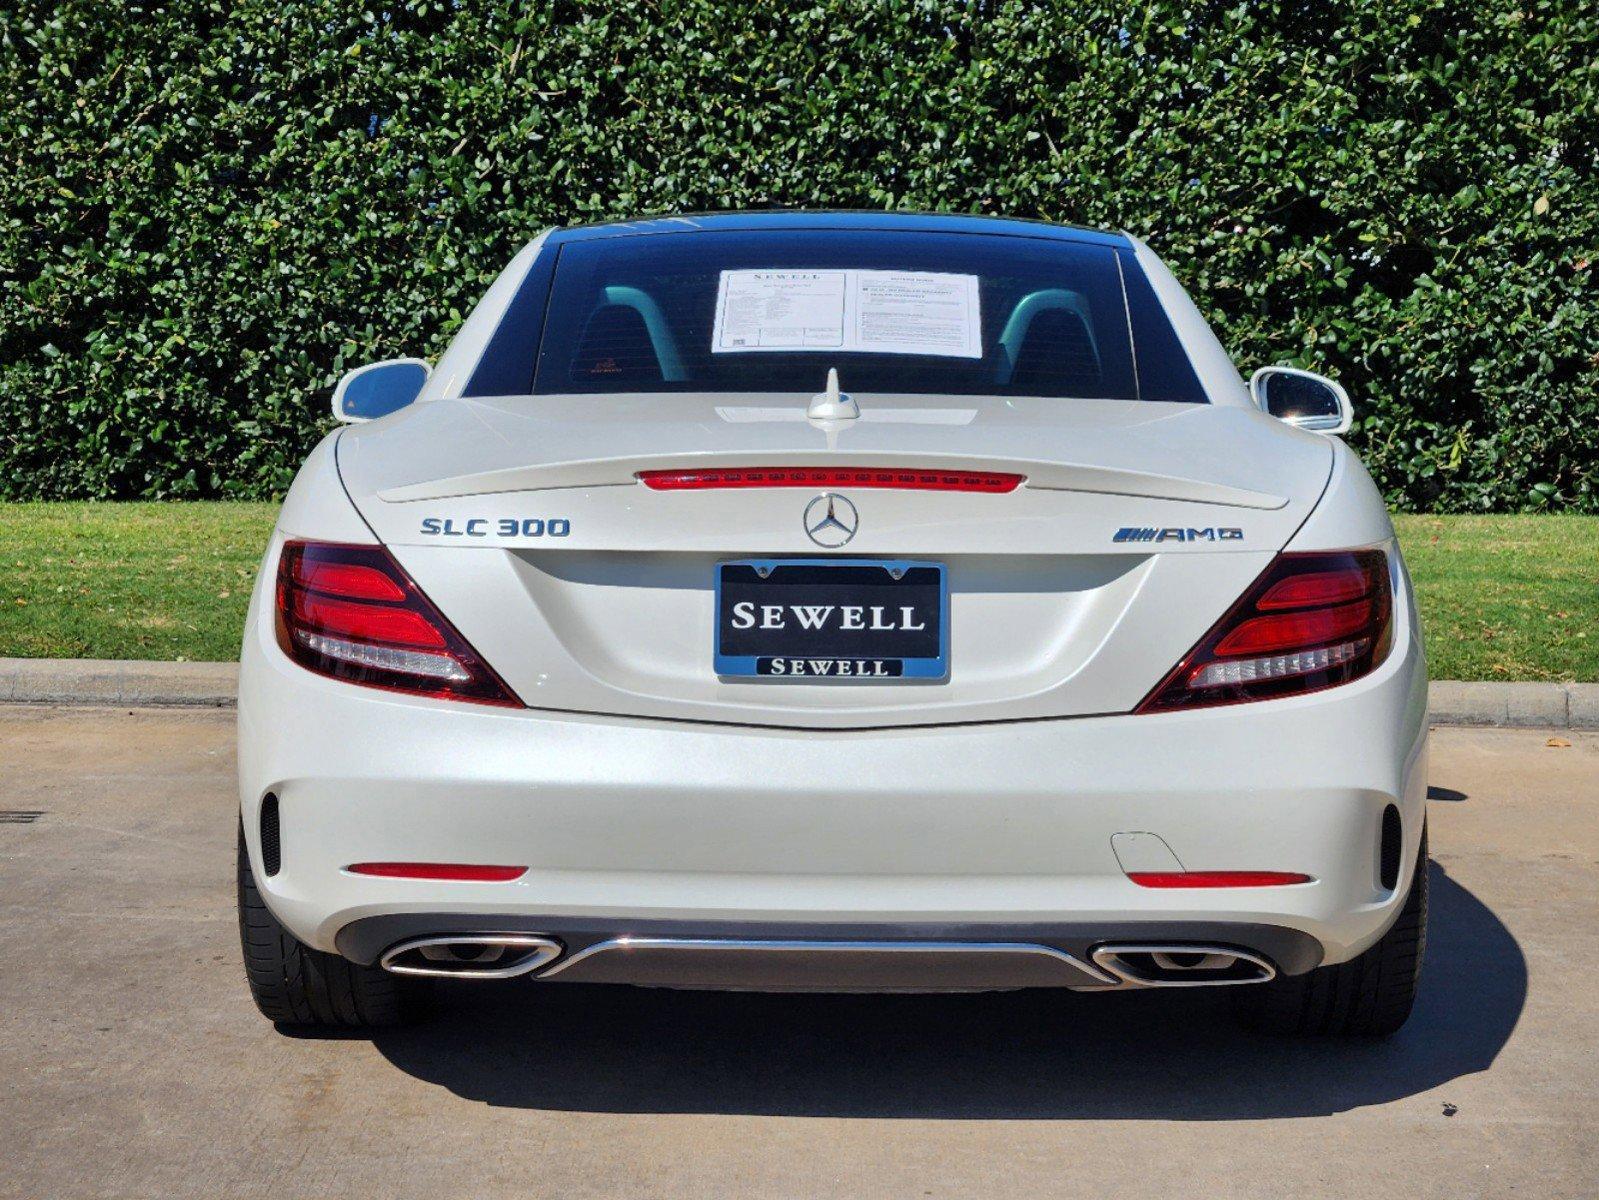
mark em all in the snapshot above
pixel 996 831
pixel 832 957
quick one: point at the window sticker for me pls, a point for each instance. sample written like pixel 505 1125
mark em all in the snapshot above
pixel 780 310
pixel 917 312
pixel 875 312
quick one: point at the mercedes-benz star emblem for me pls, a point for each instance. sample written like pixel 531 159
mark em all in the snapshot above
pixel 831 520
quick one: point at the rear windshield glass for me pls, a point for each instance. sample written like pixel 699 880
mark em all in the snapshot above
pixel 902 312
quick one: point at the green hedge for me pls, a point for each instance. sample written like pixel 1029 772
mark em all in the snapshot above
pixel 208 210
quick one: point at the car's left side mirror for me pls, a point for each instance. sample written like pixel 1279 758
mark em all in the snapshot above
pixel 378 389
pixel 1302 398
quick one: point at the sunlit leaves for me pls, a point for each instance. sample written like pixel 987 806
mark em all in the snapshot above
pixel 210 209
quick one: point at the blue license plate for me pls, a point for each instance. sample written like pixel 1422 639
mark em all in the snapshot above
pixel 828 620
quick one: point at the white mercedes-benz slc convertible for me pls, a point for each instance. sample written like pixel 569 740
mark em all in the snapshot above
pixel 835 602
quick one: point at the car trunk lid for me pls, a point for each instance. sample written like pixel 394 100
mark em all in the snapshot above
pixel 1134 528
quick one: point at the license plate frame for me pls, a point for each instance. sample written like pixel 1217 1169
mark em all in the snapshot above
pixel 907 577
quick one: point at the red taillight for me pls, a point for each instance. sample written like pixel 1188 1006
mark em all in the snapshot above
pixel 1317 587
pixel 1216 879
pixel 471 872
pixel 1288 631
pixel 349 579
pixel 394 625
pixel 830 477
pixel 352 613
pixel 1312 621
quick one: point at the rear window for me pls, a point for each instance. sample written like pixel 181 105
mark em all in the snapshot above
pixel 905 312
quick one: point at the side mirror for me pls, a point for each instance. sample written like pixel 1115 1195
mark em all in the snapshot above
pixel 378 389
pixel 1302 398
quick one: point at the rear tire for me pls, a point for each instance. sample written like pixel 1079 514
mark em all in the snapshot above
pixel 293 984
pixel 1369 996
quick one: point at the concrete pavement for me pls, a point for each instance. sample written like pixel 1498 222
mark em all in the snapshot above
pixel 134 1065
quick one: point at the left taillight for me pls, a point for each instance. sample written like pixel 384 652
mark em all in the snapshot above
pixel 352 613
pixel 1312 621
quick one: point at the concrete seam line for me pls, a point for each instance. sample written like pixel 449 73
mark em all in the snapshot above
pixel 215 685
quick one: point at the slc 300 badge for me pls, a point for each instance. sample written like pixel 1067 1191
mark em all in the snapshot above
pixel 505 527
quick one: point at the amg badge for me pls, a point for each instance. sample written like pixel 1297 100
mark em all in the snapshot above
pixel 1146 533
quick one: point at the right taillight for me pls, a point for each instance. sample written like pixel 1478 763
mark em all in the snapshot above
pixel 1312 621
pixel 351 612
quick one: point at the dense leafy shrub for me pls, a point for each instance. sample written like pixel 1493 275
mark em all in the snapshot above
pixel 210 208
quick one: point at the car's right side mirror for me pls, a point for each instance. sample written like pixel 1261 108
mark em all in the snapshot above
pixel 1302 398
pixel 378 389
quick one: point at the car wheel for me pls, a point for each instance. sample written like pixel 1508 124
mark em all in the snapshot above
pixel 1370 995
pixel 293 984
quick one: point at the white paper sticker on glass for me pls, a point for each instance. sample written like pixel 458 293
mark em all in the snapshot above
pixel 875 312
pixel 780 310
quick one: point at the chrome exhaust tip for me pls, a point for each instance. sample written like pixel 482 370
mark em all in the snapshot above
pixel 1178 965
pixel 470 955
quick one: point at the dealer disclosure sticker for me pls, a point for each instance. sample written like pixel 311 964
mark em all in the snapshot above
pixel 876 312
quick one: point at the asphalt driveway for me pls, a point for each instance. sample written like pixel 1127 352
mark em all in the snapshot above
pixel 131 1061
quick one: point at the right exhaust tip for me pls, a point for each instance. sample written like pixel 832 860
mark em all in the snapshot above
pixel 470 955
pixel 1183 965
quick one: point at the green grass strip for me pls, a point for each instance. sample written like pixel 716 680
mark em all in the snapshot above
pixel 1505 597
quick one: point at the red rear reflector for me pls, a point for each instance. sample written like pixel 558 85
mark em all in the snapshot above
pixel 1216 879
pixel 830 477
pixel 422 870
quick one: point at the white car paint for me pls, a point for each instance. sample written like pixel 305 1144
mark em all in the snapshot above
pixel 639 787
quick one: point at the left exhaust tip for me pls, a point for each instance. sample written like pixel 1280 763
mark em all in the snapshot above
pixel 471 955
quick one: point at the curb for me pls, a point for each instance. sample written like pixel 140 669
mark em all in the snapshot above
pixel 1515 705
pixel 118 681
pixel 112 681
